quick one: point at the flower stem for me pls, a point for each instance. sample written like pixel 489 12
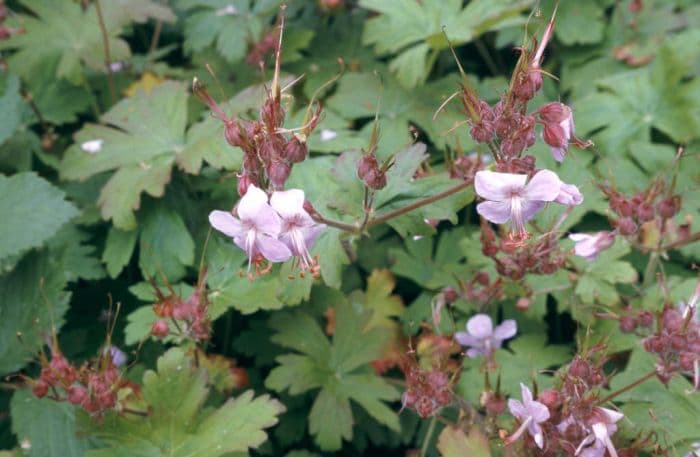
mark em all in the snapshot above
pixel 428 436
pixel 682 242
pixel 357 229
pixel 630 386
pixel 426 201
pixel 108 58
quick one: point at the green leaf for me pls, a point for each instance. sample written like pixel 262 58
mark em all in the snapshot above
pixel 47 425
pixel 597 283
pixel 416 28
pixel 580 23
pixel 670 412
pixel 33 209
pixel 165 246
pixel 33 305
pixel 178 425
pixel 228 24
pixel 68 36
pixel 339 369
pixel 118 250
pixel 11 106
pixel 141 146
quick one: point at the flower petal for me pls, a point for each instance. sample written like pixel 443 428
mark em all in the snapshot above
pixel 536 432
pixel 569 195
pixel 251 203
pixel 497 212
pixel 289 204
pixel 480 326
pixel 544 186
pixel 517 409
pixel 467 340
pixel 268 221
pixel 224 222
pixel 530 208
pixel 506 329
pixel 310 234
pixel 538 411
pixel 273 249
pixel 526 394
pixel 558 153
pixel 496 186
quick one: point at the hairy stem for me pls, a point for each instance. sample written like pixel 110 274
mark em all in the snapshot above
pixel 630 386
pixel 108 58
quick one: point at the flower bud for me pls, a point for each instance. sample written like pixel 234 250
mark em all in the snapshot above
pixel 668 207
pixel 244 181
pixel 527 85
pixel 160 329
pixel 580 368
pixel 375 179
pixel 40 389
pixel 295 151
pixel 366 164
pixel 523 304
pixel 626 226
pixel 645 319
pixel 627 324
pixel 450 294
pixel 77 394
pixel 232 133
pixel 272 113
pixel 278 172
pixel 554 135
pixel 645 212
pixel 554 112
pixel 550 398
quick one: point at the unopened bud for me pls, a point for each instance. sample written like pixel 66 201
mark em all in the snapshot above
pixel 580 368
pixel 645 212
pixel 244 182
pixel 528 84
pixel 375 179
pixel 160 329
pixel 554 112
pixel 554 135
pixel 232 133
pixel 366 164
pixel 77 394
pixel 550 398
pixel 627 324
pixel 295 151
pixel 40 389
pixel 668 207
pixel 627 226
pixel 523 304
pixel 278 172
pixel 450 294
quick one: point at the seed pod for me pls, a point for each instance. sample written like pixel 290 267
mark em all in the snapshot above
pixel 160 329
pixel 278 172
pixel 295 151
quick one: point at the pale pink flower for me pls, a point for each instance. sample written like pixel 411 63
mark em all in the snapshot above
pixel 598 441
pixel 298 231
pixel 481 338
pixel 511 198
pixel 569 195
pixel 530 413
pixel 255 230
pixel 589 246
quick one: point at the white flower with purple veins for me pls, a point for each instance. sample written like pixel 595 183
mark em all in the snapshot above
pixel 255 230
pixel 598 441
pixel 299 230
pixel 511 198
pixel 531 414
pixel 481 338
pixel 589 246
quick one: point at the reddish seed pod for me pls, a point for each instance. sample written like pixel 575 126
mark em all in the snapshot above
pixel 527 85
pixel 627 324
pixel 687 361
pixel 450 294
pixel 626 226
pixel 77 394
pixel 366 164
pixel 495 404
pixel 580 369
pixel 244 182
pixel 232 133
pixel 409 399
pixel 40 389
pixel 278 172
pixel 523 304
pixel 554 112
pixel 645 212
pixel 668 207
pixel 550 398
pixel 645 319
pixel 295 151
pixel 160 329
pixel 375 179
pixel 554 135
